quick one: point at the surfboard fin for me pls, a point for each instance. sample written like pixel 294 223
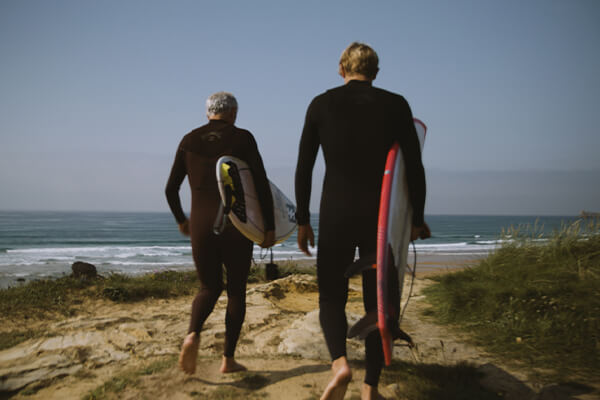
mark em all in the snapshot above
pixel 364 326
pixel 360 265
pixel 368 324
pixel 400 334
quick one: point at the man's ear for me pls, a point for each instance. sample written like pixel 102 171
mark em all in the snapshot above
pixel 341 71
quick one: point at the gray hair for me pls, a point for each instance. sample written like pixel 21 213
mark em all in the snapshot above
pixel 221 103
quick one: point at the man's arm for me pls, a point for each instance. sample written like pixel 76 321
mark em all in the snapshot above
pixel 307 154
pixel 178 173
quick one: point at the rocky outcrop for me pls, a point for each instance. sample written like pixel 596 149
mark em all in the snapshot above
pixel 305 338
pixel 121 334
pixel 83 270
pixel 83 345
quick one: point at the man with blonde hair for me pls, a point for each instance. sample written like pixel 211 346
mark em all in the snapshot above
pixel 355 124
pixel 360 59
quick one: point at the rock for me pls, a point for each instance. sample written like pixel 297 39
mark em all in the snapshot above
pixel 300 283
pixel 12 382
pixel 394 388
pixel 84 270
pixel 38 361
pixel 305 338
pixel 274 291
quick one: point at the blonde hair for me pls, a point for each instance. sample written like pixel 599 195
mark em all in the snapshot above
pixel 359 58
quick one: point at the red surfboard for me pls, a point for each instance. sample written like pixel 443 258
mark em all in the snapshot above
pixel 393 239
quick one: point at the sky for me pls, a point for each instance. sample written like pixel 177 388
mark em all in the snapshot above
pixel 96 95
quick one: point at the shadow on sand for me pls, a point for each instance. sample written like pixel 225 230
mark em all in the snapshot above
pixel 256 380
pixel 501 381
pixel 421 381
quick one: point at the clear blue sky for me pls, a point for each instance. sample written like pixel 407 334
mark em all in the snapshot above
pixel 95 96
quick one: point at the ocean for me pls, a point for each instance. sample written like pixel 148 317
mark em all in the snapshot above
pixel 37 245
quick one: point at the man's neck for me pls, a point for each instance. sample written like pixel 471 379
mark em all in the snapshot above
pixel 229 118
pixel 356 77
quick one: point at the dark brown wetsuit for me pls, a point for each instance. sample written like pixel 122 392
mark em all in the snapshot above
pixel 196 157
pixel 355 124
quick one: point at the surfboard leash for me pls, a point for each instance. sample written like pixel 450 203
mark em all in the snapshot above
pixel 412 282
pixel 262 254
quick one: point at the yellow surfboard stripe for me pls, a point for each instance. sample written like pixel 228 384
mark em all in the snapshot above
pixel 227 180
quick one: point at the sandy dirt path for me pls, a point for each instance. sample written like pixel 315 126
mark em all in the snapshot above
pixel 132 350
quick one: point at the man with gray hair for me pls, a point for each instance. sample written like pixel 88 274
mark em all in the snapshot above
pixel 196 157
pixel 221 103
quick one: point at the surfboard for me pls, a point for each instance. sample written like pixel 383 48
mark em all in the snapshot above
pixel 393 238
pixel 241 204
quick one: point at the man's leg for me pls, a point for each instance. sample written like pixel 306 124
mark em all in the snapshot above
pixel 334 254
pixel 342 375
pixel 373 347
pixel 237 256
pixel 209 270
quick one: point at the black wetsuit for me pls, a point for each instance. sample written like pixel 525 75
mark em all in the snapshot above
pixel 355 124
pixel 196 157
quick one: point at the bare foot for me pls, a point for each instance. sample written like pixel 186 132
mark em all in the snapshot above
pixel 370 393
pixel 230 365
pixel 189 353
pixel 342 375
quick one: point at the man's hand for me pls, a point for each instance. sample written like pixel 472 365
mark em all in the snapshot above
pixel 184 227
pixel 269 239
pixel 305 235
pixel 422 232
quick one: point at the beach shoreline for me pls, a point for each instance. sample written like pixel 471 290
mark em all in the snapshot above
pixel 39 245
pixel 16 275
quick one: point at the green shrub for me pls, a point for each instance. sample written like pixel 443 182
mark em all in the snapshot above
pixel 536 299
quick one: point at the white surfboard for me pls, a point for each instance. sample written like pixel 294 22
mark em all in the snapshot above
pixel 236 187
pixel 393 235
pixel 400 216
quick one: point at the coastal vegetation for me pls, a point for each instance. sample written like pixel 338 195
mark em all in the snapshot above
pixel 61 295
pixel 41 298
pixel 536 300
